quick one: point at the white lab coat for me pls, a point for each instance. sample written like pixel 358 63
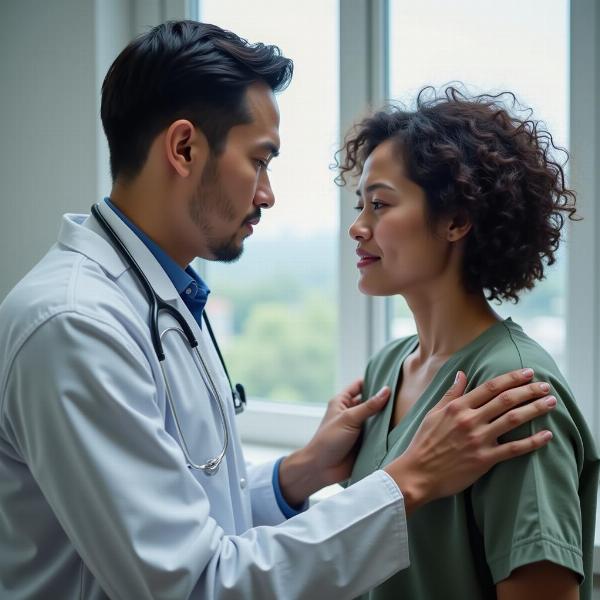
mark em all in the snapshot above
pixel 96 499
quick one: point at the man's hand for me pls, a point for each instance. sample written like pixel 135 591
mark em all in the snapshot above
pixel 457 441
pixel 330 454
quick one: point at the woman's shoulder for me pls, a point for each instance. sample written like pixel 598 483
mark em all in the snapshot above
pixel 507 348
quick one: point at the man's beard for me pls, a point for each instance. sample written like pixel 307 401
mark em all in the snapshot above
pixel 227 251
pixel 209 199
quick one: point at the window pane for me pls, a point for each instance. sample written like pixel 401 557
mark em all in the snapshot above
pixel 522 47
pixel 275 310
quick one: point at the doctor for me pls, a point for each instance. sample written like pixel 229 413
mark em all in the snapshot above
pixel 115 485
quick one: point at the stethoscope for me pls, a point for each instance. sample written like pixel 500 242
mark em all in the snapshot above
pixel 211 466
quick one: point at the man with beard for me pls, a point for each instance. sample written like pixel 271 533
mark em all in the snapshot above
pixel 121 471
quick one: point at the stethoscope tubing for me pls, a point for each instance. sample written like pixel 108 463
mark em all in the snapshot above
pixel 212 465
pixel 156 304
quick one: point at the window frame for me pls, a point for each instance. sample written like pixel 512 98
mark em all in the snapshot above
pixel 583 247
pixel 363 84
pixel 363 52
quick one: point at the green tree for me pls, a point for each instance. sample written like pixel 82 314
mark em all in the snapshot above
pixel 285 352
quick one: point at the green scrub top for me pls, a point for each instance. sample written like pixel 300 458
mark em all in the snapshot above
pixel 541 506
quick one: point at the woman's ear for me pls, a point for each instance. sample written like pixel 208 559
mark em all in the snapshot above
pixel 458 227
pixel 185 147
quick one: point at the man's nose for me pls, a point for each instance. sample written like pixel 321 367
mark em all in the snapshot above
pixel 264 196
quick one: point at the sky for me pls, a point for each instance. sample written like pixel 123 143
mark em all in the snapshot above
pixel 489 45
pixel 515 45
pixel 306 197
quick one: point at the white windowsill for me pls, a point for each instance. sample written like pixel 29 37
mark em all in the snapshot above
pixel 262 453
pixel 279 425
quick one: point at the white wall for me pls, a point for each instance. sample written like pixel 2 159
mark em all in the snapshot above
pixel 53 154
pixel 48 124
pixel 113 27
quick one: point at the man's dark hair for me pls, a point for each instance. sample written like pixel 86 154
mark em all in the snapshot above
pixel 182 69
pixel 475 159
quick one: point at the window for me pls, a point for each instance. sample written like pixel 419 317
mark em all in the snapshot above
pixel 546 51
pixel 522 48
pixel 275 310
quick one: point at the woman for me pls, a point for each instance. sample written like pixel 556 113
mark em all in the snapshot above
pixel 460 203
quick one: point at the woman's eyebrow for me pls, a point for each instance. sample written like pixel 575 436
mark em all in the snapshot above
pixel 375 186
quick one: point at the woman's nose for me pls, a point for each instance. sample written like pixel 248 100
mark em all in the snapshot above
pixel 359 230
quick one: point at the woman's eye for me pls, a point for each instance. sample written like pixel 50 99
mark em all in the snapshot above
pixel 376 204
pixel 262 164
pixel 358 207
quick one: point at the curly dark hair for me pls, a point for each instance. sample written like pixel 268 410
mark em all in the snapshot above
pixel 473 158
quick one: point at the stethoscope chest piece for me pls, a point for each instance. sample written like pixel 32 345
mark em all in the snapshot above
pixel 239 398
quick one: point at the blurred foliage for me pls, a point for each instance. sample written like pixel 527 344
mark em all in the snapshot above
pixel 278 291
pixel 285 351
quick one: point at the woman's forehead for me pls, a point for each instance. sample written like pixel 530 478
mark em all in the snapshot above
pixel 385 161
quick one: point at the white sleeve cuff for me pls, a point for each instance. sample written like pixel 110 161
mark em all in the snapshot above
pixel 265 509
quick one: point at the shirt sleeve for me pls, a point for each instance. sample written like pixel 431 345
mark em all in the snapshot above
pixel 80 408
pixel 268 504
pixel 286 509
pixel 530 509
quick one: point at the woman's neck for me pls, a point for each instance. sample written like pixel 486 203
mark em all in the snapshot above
pixel 447 319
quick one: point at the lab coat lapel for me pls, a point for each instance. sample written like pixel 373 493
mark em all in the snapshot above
pixel 155 274
pixel 84 234
pixel 94 243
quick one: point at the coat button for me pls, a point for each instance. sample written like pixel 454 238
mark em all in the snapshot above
pixel 243 483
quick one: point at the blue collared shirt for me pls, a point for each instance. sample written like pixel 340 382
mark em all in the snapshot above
pixel 194 293
pixel 189 285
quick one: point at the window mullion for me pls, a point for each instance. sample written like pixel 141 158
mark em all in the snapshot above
pixel 583 289
pixel 363 85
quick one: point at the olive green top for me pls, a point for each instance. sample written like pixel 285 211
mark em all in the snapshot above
pixel 538 507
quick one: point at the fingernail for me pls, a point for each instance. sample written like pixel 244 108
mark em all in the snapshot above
pixel 527 372
pixel 550 401
pixel 457 378
pixel 547 435
pixel 544 387
pixel 382 391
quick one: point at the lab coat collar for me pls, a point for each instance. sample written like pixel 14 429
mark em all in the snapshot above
pixel 84 234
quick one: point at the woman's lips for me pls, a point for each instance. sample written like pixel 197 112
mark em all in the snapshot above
pixel 365 258
pixel 365 261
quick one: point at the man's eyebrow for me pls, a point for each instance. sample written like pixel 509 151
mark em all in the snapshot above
pixel 375 186
pixel 271 148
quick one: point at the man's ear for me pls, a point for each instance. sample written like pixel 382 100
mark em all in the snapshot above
pixel 185 147
pixel 458 227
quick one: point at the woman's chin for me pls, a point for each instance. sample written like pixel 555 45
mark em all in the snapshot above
pixel 371 288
